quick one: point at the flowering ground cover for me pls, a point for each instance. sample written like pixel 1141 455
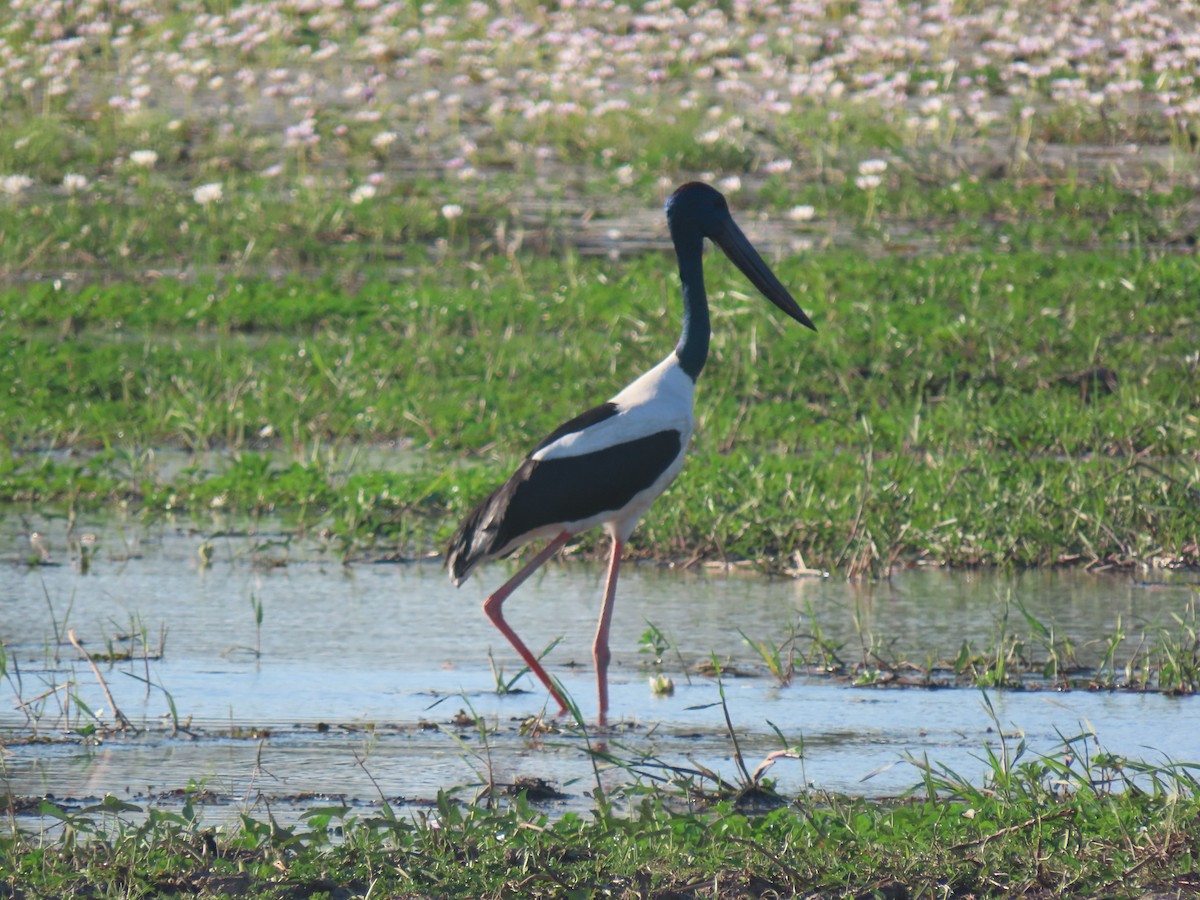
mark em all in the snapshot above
pixel 265 134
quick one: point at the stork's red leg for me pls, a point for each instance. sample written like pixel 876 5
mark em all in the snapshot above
pixel 492 605
pixel 600 648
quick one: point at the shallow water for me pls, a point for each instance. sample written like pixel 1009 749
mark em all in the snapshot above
pixel 360 671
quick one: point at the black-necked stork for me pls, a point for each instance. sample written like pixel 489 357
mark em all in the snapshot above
pixel 606 466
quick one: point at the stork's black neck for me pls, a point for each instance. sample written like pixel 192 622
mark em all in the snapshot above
pixel 692 348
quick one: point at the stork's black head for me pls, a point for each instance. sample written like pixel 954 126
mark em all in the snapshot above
pixel 697 211
pixel 699 207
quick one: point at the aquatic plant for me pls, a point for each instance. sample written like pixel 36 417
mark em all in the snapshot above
pixel 949 834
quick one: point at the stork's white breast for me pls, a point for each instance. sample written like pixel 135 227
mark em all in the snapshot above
pixel 661 399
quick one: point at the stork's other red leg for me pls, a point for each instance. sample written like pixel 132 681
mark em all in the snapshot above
pixel 600 648
pixel 492 605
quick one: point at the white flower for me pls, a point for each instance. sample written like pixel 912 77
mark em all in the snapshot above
pixel 147 159
pixel 778 166
pixel 730 185
pixel 209 193
pixel 451 211
pixel 14 184
pixel 74 183
pixel 872 167
pixel 361 193
pixel 302 134
pixel 801 213
pixel 868 182
pixel 383 140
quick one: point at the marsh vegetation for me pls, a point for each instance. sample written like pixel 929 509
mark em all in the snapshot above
pixel 284 275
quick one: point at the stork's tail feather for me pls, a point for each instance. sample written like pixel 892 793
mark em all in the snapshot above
pixel 458 554
pixel 470 545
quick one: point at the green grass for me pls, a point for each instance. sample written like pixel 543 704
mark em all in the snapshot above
pixel 1079 822
pixel 964 408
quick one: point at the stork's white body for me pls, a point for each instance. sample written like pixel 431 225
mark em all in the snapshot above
pixel 605 467
pixel 662 399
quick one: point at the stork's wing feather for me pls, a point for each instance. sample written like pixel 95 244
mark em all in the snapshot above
pixel 593 416
pixel 559 491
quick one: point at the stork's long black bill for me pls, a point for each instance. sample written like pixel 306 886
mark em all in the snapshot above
pixel 743 255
